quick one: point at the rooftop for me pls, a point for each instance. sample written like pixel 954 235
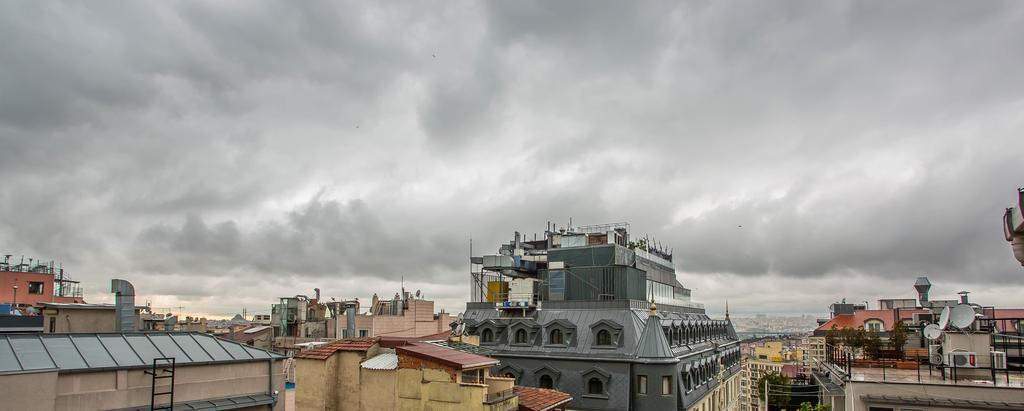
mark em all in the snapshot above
pixel 447 356
pixel 540 399
pixel 23 353
pixel 383 361
pixel 930 375
pixel 927 401
pixel 348 344
pixel 857 319
pixel 84 306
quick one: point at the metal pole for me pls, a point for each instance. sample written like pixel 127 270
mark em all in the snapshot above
pixel 765 394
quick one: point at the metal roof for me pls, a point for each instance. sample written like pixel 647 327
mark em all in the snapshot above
pixel 219 404
pixel 653 344
pixel 383 361
pixel 447 356
pixel 23 353
pixel 927 401
pixel 256 329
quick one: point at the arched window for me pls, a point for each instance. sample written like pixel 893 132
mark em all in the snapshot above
pixel 595 386
pixel 510 375
pixel 604 337
pixel 487 335
pixel 556 337
pixel 520 336
pixel 546 382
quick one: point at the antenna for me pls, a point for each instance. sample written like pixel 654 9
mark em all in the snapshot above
pixel 932 332
pixel 961 316
pixel 944 318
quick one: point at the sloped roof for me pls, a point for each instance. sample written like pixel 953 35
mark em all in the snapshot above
pixel 653 343
pixel 20 353
pixel 447 356
pixel 383 361
pixel 348 344
pixel 858 318
pixel 392 342
pixel 540 399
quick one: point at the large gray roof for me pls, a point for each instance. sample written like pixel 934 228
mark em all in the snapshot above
pixel 21 353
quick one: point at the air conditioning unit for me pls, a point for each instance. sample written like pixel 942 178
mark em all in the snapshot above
pixel 999 360
pixel 935 354
pixel 963 359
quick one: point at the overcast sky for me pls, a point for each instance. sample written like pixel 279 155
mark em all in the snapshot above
pixel 222 154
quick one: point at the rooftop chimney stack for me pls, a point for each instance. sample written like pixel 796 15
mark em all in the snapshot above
pixel 922 285
pixel 350 319
pixel 124 305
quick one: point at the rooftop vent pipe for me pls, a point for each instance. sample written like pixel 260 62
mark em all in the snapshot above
pixel 922 285
pixel 124 305
pixel 350 319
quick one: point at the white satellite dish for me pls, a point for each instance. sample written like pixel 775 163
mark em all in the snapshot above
pixel 460 329
pixel 944 318
pixel 460 317
pixel 932 332
pixel 961 316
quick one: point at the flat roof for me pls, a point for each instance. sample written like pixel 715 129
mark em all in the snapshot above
pixel 348 344
pixel 446 356
pixel 928 401
pixel 85 306
pixel 83 352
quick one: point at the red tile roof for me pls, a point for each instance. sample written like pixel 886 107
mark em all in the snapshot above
pixel 858 318
pixel 348 344
pixel 540 399
pixel 447 356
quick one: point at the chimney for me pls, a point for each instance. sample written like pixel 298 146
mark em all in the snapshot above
pixel 317 292
pixel 922 285
pixel 350 319
pixel 124 305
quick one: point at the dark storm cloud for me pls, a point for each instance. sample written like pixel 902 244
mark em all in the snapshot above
pixel 275 147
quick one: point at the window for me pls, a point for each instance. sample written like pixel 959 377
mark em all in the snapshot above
pixel 873 325
pixel 604 337
pixel 666 385
pixel 53 324
pixel 546 382
pixel 556 337
pixel 35 287
pixel 487 335
pixel 364 333
pixel 595 386
pixel 520 336
pixel 641 384
pixel 510 375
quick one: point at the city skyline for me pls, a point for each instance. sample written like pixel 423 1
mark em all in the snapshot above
pixel 221 156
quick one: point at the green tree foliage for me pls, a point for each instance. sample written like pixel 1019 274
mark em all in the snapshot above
pixel 872 344
pixel 778 389
pixel 898 338
pixel 832 335
pixel 806 406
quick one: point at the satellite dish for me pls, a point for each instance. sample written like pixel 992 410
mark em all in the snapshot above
pixel 932 332
pixel 460 329
pixel 460 317
pixel 944 318
pixel 961 316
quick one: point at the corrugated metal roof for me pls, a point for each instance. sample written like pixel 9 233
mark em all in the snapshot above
pixel 383 361
pixel 447 356
pixel 21 353
pixel 257 329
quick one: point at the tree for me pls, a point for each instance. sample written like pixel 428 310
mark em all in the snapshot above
pixel 872 344
pixel 806 406
pixel 778 389
pixel 898 338
pixel 831 336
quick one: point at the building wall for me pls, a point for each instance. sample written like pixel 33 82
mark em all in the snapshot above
pixel 117 389
pixel 79 320
pixel 313 387
pixel 417 322
pixel 856 389
pixel 347 380
pixel 35 391
pixel 655 399
pixel 571 381
pixel 9 279
pixel 432 389
pixel 378 389
pixel 725 397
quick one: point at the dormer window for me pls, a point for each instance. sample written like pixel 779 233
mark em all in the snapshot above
pixel 556 337
pixel 487 335
pixel 873 325
pixel 604 337
pixel 520 336
pixel 606 334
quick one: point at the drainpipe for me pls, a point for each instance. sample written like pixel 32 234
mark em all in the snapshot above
pixel 270 380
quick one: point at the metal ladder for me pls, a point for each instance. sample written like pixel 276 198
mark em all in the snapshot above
pixel 166 367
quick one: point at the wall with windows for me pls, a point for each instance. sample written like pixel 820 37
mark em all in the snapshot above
pixel 573 377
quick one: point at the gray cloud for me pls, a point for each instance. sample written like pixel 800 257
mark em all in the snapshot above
pixel 270 148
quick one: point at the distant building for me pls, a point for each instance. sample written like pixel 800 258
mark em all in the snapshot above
pixel 594 313
pixel 261 319
pixel 769 356
pixel 958 355
pixel 259 336
pixel 27 284
pixel 405 315
pixel 82 318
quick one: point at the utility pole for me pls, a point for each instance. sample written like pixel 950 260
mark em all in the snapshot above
pixel 765 394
